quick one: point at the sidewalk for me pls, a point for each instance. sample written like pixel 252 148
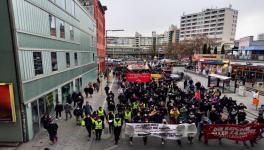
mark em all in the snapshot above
pixel 70 136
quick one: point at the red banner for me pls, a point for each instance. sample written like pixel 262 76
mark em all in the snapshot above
pixel 232 131
pixel 138 77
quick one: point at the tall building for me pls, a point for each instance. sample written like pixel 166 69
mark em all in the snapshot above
pixel 261 37
pixel 99 15
pixel 173 34
pixel 219 24
pixel 49 48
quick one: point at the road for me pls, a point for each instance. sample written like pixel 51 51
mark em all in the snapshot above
pixel 155 143
pixel 72 137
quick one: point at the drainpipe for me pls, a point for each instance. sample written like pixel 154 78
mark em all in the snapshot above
pixel 18 76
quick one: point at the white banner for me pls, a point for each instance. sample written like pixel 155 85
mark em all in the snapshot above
pixel 166 131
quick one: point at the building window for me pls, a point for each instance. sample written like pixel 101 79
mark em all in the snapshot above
pixel 61 3
pixel 75 59
pixel 54 62
pixel 37 58
pixel 68 62
pixel 62 29
pixel 52 23
pixel 71 33
pixel 93 57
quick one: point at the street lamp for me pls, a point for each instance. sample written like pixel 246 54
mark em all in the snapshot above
pixel 107 69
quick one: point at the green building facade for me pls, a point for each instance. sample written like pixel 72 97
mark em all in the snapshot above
pixel 56 52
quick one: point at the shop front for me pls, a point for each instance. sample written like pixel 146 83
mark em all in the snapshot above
pixel 211 64
pixel 67 90
pixel 250 73
pixel 37 108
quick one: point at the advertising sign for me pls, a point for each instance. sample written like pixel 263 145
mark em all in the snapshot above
pixel 138 77
pixel 156 76
pixel 7 107
pixel 232 132
pixel 166 131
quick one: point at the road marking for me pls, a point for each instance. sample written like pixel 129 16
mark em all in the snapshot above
pixel 112 147
pixel 109 90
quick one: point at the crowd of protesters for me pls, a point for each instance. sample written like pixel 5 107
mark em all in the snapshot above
pixel 159 101
pixel 163 101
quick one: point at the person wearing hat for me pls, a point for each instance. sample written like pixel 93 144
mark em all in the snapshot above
pixel 98 126
pixel 118 123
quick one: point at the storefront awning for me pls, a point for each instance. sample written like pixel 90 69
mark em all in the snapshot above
pixel 219 76
pixel 254 48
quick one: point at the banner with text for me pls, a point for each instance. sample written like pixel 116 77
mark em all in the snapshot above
pixel 138 77
pixel 232 132
pixel 166 131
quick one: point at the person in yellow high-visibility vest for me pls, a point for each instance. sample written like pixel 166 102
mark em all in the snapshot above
pixel 101 113
pixel 128 116
pixel 98 126
pixel 118 122
pixel 135 107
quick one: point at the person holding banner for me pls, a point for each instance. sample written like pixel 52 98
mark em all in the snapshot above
pixel 110 119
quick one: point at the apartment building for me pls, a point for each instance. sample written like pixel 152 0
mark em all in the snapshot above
pixel 49 48
pixel 219 24
pixel 99 15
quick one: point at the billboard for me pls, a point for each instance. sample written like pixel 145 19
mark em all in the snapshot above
pixel 7 106
pixel 138 77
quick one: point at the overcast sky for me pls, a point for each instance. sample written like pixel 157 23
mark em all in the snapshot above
pixel 145 16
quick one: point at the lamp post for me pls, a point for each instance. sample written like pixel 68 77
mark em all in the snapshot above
pixel 107 68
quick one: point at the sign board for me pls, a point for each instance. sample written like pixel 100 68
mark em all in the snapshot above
pixel 166 131
pixel 7 106
pixel 232 132
pixel 156 76
pixel 138 77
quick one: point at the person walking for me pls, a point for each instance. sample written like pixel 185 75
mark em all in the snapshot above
pixel 52 130
pixel 101 113
pixel 78 112
pixel 46 120
pixel 118 123
pixel 87 108
pixel 90 90
pixel 107 89
pixel 110 120
pixel 88 123
pixel 255 100
pixel 58 110
pixel 67 109
pixel 98 126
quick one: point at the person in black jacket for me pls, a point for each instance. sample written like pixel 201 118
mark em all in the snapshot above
pixel 52 130
pixel 58 110
pixel 107 89
pixel 46 120
pixel 78 112
pixel 88 124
